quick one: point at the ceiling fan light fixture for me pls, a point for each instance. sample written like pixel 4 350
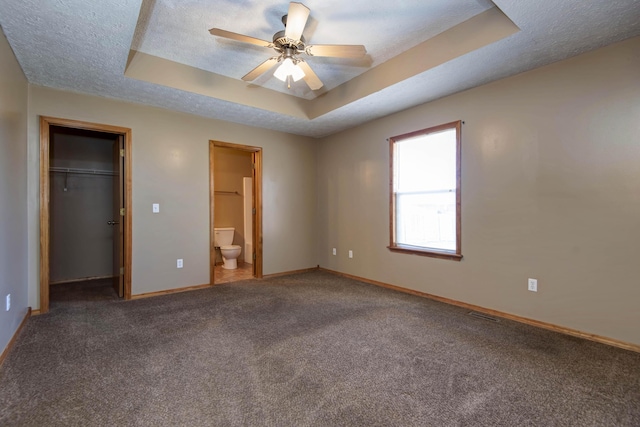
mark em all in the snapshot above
pixel 289 43
pixel 297 73
pixel 288 68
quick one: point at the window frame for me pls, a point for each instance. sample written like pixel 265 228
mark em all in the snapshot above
pixel 419 250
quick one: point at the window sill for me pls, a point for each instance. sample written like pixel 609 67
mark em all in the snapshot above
pixel 426 252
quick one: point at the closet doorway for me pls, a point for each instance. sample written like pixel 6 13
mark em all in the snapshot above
pixel 235 200
pixel 85 209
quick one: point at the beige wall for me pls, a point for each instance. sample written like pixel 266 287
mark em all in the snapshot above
pixel 13 192
pixel 550 190
pixel 230 166
pixel 171 167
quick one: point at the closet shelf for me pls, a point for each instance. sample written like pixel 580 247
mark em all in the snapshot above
pixel 83 171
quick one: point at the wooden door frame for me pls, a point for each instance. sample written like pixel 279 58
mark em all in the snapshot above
pixel 257 203
pixel 45 124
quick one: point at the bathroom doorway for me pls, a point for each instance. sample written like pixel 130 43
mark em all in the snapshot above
pixel 235 202
pixel 85 215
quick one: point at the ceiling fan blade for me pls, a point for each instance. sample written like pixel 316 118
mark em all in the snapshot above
pixel 310 78
pixel 337 51
pixel 260 69
pixel 239 37
pixel 296 20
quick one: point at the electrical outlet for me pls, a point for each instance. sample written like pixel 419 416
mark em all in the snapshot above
pixel 532 285
pixel 335 252
pixel 350 253
pixel 8 302
pixel 179 264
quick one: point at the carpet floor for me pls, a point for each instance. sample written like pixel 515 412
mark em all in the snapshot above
pixel 311 349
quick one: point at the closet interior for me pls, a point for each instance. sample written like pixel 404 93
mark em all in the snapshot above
pixel 84 221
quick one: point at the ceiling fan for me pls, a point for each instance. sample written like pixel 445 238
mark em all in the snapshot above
pixel 289 45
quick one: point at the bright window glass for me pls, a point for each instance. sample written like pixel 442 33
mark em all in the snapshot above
pixel 426 190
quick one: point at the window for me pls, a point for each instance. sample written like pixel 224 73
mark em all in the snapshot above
pixel 425 192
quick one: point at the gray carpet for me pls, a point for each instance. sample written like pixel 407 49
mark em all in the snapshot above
pixel 310 349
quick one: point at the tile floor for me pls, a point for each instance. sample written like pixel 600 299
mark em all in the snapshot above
pixel 243 272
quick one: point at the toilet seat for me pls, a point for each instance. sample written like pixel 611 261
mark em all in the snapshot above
pixel 231 247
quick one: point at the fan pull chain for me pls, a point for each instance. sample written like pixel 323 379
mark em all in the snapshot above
pixel 289 81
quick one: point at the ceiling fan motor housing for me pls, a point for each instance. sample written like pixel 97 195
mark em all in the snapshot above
pixel 287 47
pixel 281 42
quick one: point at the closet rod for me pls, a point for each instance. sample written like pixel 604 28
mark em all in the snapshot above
pixel 226 192
pixel 83 171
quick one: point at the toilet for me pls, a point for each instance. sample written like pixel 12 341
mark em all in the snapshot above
pixel 230 253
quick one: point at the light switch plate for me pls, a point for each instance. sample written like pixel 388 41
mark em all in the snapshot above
pixel 179 264
pixel 156 207
pixel 532 285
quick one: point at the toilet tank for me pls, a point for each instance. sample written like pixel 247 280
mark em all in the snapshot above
pixel 223 236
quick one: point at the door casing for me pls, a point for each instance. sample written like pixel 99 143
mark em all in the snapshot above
pixel 118 203
pixel 257 205
pixel 45 124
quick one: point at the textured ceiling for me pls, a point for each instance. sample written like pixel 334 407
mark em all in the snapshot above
pixel 84 46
